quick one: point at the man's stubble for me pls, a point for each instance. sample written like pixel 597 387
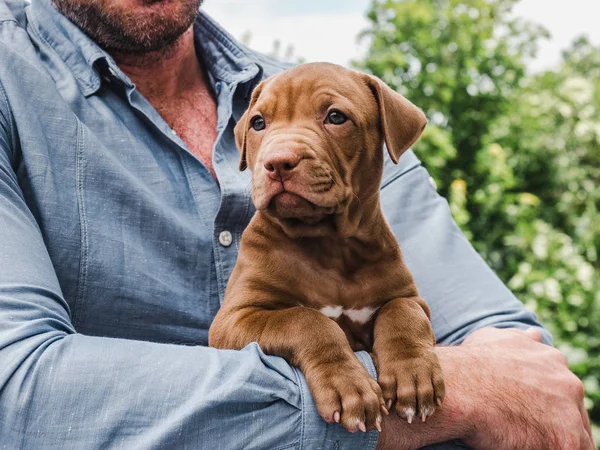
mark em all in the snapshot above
pixel 153 27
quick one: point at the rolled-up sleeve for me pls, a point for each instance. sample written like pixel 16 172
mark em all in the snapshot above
pixel 463 292
pixel 64 390
pixel 318 434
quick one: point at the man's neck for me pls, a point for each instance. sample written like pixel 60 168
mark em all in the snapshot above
pixel 167 73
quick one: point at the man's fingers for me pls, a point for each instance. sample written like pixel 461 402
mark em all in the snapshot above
pixel 587 443
pixel 585 419
pixel 534 333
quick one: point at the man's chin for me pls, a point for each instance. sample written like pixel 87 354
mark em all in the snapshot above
pixel 135 27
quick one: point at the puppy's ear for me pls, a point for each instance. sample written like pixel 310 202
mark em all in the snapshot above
pixel 240 139
pixel 402 122
pixel 241 128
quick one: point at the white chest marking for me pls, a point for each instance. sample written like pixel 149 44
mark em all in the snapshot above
pixel 332 311
pixel 362 315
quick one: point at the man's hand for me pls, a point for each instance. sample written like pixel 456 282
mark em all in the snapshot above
pixel 527 396
pixel 505 390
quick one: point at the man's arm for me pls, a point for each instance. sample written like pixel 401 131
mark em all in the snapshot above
pixel 463 292
pixel 61 389
pixel 503 389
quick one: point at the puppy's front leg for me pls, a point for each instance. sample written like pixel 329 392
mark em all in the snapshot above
pixel 342 388
pixel 409 371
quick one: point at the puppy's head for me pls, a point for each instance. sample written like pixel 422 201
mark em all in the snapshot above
pixel 312 137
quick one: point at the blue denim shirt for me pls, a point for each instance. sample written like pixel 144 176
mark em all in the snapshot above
pixel 114 256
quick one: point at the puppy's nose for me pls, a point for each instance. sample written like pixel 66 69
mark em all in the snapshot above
pixel 279 165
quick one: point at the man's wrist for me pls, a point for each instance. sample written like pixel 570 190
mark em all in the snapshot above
pixel 461 387
pixel 454 421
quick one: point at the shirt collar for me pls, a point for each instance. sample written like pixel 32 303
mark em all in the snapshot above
pixel 222 56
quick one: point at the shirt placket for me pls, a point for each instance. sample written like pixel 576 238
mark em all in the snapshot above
pixel 228 202
pixel 235 208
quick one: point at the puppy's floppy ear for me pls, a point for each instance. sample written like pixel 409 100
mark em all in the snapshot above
pixel 240 139
pixel 402 122
pixel 241 128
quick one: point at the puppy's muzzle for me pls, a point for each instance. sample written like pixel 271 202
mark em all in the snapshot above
pixel 280 165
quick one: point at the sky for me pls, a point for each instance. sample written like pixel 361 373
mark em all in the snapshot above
pixel 326 30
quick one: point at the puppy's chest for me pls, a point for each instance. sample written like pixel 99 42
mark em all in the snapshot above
pixel 356 323
pixel 343 297
pixel 352 301
pixel 343 282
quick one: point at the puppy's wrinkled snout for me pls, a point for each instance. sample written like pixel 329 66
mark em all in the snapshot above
pixel 279 165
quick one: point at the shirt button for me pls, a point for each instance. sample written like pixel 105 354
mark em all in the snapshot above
pixel 225 238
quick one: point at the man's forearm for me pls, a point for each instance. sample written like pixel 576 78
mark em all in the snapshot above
pixel 504 390
pixel 450 422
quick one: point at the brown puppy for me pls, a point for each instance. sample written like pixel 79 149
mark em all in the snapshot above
pixel 319 272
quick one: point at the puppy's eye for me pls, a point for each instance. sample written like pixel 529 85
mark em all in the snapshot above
pixel 336 118
pixel 258 123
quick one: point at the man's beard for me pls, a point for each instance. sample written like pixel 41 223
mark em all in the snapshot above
pixel 134 31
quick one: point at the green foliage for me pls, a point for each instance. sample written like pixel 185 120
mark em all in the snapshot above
pixel 517 155
pixel 458 60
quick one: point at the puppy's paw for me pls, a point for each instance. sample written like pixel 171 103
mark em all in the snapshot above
pixel 414 385
pixel 346 394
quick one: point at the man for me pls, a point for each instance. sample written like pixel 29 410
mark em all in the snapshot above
pixel 120 214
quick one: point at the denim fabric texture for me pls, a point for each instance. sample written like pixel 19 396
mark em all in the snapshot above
pixel 111 268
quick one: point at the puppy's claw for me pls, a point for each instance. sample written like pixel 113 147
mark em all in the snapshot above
pixel 378 423
pixel 427 412
pixel 361 427
pixel 439 402
pixel 336 417
pixel 384 410
pixel 409 413
pixel 388 404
